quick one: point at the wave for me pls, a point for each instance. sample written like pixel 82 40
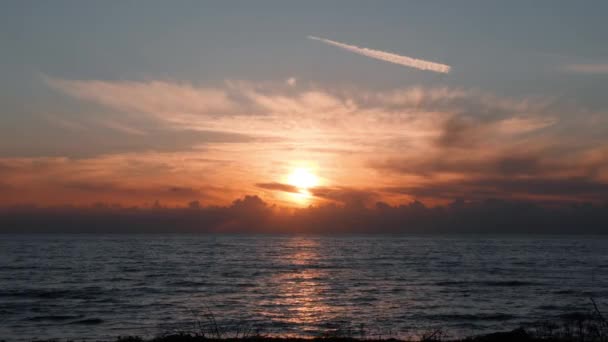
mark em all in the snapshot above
pixel 491 283
pixel 81 293
pixel 186 283
pixel 472 317
pixel 565 292
pixel 88 321
pixel 51 294
pixel 54 318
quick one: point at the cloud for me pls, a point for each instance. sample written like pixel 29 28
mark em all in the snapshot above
pixel 121 127
pixel 57 120
pixel 597 69
pixel 516 163
pixel 129 179
pixel 420 64
pixel 336 194
pixel 119 138
pixel 512 188
pixel 250 214
pixel 466 131
pixel 348 196
pixel 539 172
pixel 361 141
pixel 278 187
pixel 308 113
pixel 169 193
pixel 165 99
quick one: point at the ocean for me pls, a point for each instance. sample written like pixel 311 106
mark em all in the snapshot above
pixel 102 286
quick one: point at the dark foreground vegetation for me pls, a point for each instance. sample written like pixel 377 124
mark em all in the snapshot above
pixel 578 327
pixel 520 334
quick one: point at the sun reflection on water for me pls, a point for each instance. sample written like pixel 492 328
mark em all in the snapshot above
pixel 302 294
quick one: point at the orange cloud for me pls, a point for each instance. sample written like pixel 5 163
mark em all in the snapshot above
pixel 243 137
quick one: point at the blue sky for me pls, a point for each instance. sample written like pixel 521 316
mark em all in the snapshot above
pixel 531 52
pixel 512 47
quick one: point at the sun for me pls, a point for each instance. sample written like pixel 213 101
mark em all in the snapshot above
pixel 302 179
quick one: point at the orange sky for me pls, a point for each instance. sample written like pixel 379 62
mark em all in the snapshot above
pixel 176 142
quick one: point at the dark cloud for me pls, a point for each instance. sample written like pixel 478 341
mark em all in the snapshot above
pixel 518 165
pixel 504 164
pixel 519 170
pixel 248 204
pixel 184 191
pixel 95 187
pixel 577 187
pixel 278 187
pixel 118 191
pixel 251 214
pixel 6 167
pixel 569 189
pixel 460 132
pixel 344 195
pixel 348 196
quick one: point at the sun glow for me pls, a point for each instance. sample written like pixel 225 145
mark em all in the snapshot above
pixel 302 179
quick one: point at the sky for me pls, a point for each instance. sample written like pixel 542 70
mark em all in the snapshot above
pixel 302 104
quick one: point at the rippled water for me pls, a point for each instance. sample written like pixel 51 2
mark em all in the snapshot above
pixel 102 286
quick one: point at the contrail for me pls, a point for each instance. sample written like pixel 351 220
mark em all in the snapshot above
pixel 389 57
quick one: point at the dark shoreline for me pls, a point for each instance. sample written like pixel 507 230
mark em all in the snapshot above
pixel 590 326
pixel 519 334
pixel 579 328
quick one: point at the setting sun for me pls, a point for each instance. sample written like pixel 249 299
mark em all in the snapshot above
pixel 282 171
pixel 302 179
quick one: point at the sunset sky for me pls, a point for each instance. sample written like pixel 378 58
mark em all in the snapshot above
pixel 302 103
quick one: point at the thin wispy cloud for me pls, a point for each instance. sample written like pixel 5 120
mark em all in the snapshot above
pixel 601 68
pixel 420 64
pixel 426 143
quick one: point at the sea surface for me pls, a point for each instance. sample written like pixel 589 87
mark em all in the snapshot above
pixel 102 286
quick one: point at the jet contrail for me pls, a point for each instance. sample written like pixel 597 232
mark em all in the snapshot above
pixel 389 57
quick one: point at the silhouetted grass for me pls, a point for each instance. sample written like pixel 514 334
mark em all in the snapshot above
pixel 591 326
